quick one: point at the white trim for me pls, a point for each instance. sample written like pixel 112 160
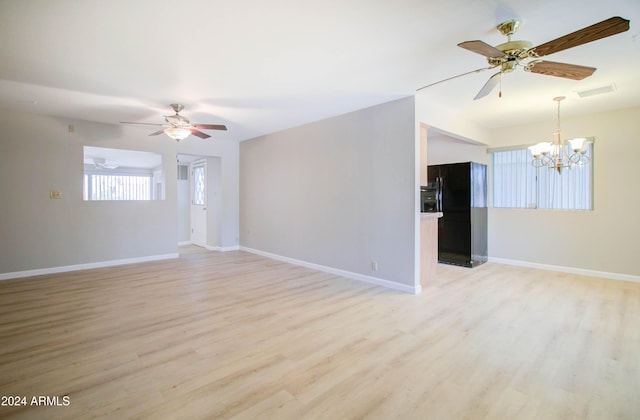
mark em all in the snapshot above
pixel 571 270
pixel 416 290
pixel 222 248
pixel 88 266
pixel 185 243
pixel 229 248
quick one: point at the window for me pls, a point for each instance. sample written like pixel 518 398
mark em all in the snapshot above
pixel 117 187
pixel 117 174
pixel 517 184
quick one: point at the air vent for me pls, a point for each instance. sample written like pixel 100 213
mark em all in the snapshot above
pixel 183 172
pixel 597 91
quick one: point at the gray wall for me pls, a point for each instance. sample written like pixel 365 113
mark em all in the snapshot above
pixel 184 208
pixel 605 239
pixel 214 205
pixel 338 192
pixel 38 154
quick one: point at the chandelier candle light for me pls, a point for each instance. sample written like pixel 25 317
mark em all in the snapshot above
pixel 554 154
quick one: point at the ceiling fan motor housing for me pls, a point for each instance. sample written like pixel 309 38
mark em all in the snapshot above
pixel 513 51
pixel 177 120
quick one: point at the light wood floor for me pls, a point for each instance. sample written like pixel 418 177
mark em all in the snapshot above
pixel 235 335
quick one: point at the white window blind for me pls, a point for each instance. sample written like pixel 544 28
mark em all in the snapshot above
pixel 517 184
pixel 514 179
pixel 117 187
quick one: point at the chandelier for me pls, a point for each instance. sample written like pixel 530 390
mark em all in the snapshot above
pixel 557 154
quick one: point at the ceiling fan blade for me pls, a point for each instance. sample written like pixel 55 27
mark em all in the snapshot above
pixel 210 126
pixel 199 134
pixel 488 87
pixel 568 71
pixel 176 119
pixel 139 123
pixel 611 26
pixel 179 123
pixel 482 48
pixel 455 77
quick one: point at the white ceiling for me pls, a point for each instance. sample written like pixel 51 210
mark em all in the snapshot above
pixel 261 66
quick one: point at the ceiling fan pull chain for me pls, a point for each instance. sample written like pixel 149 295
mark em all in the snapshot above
pixel 500 91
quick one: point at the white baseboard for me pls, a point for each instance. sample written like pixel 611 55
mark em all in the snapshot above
pixel 213 247
pixel 222 248
pixel 417 289
pixel 230 248
pixel 571 270
pixel 87 266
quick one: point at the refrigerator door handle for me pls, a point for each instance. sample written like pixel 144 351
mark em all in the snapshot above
pixel 439 195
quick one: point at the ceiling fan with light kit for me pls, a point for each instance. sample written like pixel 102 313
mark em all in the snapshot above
pixel 178 127
pixel 511 54
pixel 102 163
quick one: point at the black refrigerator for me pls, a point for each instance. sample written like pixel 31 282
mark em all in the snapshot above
pixel 462 199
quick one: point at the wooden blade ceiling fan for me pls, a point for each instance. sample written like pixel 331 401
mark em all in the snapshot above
pixel 178 127
pixel 511 54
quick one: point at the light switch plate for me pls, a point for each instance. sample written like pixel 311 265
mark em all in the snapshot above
pixel 55 194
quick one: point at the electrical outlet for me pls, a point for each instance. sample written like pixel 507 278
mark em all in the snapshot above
pixel 374 265
pixel 55 194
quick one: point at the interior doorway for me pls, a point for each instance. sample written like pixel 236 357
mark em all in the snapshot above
pixel 198 213
pixel 199 200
